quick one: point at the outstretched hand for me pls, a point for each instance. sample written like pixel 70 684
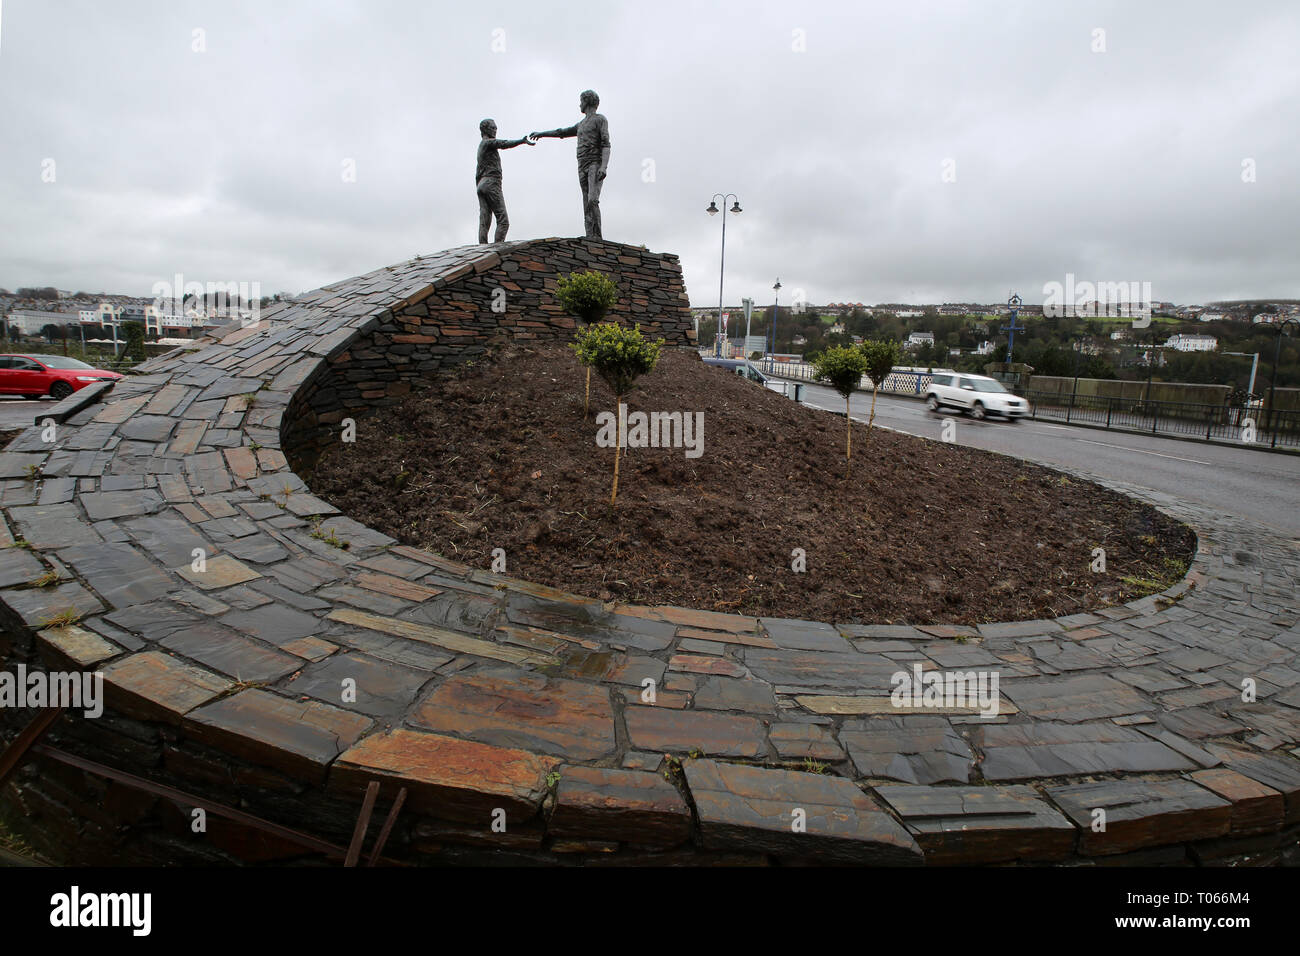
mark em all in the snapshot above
pixel 532 138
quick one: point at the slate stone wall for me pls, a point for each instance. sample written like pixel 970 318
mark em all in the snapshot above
pixel 508 296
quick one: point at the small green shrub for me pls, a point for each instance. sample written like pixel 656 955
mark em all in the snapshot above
pixel 843 369
pixel 588 295
pixel 620 356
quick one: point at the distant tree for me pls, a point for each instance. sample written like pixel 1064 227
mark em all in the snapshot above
pixel 620 356
pixel 134 345
pixel 879 359
pixel 843 368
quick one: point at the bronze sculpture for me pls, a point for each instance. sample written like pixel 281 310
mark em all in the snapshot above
pixel 487 179
pixel 593 156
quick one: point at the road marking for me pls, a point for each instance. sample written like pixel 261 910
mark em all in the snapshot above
pixel 1194 461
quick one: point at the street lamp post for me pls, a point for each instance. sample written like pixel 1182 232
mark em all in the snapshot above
pixel 713 211
pixel 776 298
pixel 1272 381
pixel 1013 304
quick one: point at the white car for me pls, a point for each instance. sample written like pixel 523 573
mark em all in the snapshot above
pixel 977 394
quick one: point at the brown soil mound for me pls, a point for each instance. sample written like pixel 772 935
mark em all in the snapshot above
pixel 498 455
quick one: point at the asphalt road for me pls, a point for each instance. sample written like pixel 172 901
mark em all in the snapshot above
pixel 21 412
pixel 1252 484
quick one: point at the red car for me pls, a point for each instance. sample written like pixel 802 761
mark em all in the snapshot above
pixel 55 375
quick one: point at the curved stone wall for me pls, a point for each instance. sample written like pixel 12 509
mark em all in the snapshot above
pixel 262 651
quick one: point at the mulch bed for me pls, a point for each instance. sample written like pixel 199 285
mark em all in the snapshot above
pixel 498 455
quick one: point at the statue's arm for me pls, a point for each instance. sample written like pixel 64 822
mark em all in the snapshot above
pixel 565 133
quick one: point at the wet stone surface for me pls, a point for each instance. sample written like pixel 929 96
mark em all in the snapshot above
pixel 284 663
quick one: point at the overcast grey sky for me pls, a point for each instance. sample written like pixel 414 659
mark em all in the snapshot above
pixel 227 163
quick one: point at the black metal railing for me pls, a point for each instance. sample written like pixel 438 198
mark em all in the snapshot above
pixel 1205 421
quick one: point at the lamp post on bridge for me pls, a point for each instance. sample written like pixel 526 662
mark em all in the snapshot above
pixel 722 263
pixel 1013 304
pixel 1272 381
pixel 776 298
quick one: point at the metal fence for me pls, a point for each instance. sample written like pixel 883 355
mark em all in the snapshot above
pixel 1244 425
pixel 901 381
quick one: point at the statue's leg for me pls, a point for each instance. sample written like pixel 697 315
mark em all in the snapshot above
pixel 499 208
pixel 589 177
pixel 484 213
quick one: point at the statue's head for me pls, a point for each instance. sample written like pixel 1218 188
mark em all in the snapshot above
pixel 588 100
pixel 488 127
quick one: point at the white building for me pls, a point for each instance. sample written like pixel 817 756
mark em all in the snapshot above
pixel 1212 316
pixel 31 321
pixel 1192 343
pixel 1263 317
pixel 985 348
pixel 917 339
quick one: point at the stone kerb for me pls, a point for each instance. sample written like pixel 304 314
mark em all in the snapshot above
pixel 214 593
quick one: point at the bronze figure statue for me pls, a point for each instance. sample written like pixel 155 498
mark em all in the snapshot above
pixel 487 177
pixel 593 156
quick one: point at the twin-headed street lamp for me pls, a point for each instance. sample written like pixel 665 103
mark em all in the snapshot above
pixel 713 211
pixel 1272 381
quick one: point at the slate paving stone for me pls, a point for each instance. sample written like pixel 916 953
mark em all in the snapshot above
pixel 1075 699
pixel 1142 813
pixel 18 566
pixel 120 574
pixel 76 647
pixel 954 656
pixel 631 806
pixel 1031 751
pixel 119 504
pixel 957 826
pixel 274 623
pixel 220 571
pixel 459 612
pixel 633 670
pixel 156 686
pixel 703 664
pixel 338 594
pixel 299 738
pixel 441 638
pixel 752 808
pixel 795 741
pixel 373 687
pixel 256 549
pixel 913 749
pixel 230 653
pixel 1256 808
pixel 845 670
pixel 1195 696
pixel 1189 750
pixel 283 595
pixel 679 731
pixel 643 635
pixel 38 606
pixel 803 635
pixel 49 527
pixel 726 693
pixel 1198 722
pixel 452 779
pixel 1150 679
pixel 513 708
pixel 1280 772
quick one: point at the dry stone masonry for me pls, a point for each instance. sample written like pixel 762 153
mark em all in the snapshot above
pixel 229 610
